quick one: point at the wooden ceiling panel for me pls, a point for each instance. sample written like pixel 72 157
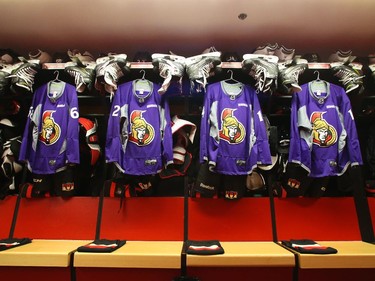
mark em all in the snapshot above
pixel 187 27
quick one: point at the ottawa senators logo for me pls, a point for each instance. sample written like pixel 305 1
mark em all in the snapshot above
pixel 50 130
pixel 142 133
pixel 232 130
pixel 69 186
pixel 324 134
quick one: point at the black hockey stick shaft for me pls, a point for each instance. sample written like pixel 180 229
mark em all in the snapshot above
pixel 18 202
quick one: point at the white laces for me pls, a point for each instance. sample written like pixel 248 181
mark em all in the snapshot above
pixel 348 77
pixel 165 72
pixel 26 74
pixel 112 73
pixel 78 78
pixel 205 73
pixel 294 75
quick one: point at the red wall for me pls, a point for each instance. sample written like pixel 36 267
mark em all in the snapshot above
pixel 57 218
pixel 317 219
pixel 248 219
pixel 6 214
pixel 143 219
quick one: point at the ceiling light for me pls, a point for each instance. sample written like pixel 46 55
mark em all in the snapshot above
pixel 242 16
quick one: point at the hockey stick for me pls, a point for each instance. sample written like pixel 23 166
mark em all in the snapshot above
pixel 100 208
pixel 18 202
pixel 183 276
pixel 362 207
pixel 12 242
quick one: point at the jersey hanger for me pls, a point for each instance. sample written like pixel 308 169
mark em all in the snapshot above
pixel 142 85
pixel 231 79
pixel 57 73
pixel 319 88
pixel 231 86
pixel 318 74
pixel 144 73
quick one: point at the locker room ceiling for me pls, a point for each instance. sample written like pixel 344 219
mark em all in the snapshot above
pixel 187 27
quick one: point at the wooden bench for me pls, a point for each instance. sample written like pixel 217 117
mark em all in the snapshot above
pixel 153 229
pixel 330 222
pixel 244 229
pixel 57 227
pixel 41 252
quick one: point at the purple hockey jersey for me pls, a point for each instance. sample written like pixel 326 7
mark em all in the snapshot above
pixel 323 138
pixel 51 137
pixel 233 136
pixel 139 135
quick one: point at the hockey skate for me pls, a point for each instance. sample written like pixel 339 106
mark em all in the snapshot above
pixel 348 76
pixel 263 68
pixel 372 69
pixel 284 54
pixel 23 75
pixel 109 70
pixel 267 49
pixel 168 66
pixel 4 80
pixel 77 57
pixel 344 57
pixel 289 77
pixel 82 74
pixel 200 67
